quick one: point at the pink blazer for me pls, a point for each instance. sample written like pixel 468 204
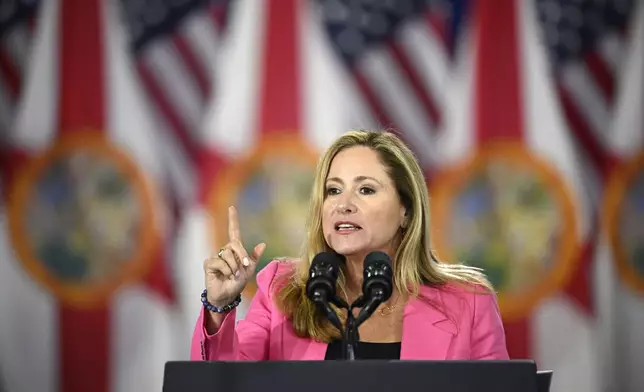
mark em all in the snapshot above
pixel 440 324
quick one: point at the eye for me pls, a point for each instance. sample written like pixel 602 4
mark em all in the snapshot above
pixel 365 190
pixel 332 191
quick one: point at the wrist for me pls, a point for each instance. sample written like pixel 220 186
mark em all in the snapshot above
pixel 220 306
pixel 219 302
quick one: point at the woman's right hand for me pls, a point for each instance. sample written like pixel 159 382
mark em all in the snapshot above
pixel 227 272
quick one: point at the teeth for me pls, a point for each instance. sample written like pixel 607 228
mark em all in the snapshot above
pixel 346 226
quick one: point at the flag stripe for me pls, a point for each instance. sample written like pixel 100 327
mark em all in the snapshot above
pixel 429 59
pixel 204 39
pixel 394 93
pixel 376 106
pixel 84 334
pixel 499 113
pixel 179 163
pixel 6 109
pixel 375 98
pixel 166 108
pixel 17 45
pixel 178 87
pixel 218 13
pixel 436 25
pixel 602 75
pixel 498 99
pixel 414 81
pixel 612 51
pixel 579 84
pixel 85 346
pixel 194 68
pixel 82 105
pixel 580 127
pixel 281 93
pixel 10 74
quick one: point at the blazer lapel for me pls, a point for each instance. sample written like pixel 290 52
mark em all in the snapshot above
pixel 427 331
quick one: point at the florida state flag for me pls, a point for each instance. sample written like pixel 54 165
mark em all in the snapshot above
pixel 84 283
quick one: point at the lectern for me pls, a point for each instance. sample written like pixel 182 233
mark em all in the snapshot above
pixel 351 376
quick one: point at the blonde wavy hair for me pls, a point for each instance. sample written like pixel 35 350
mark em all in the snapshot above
pixel 414 263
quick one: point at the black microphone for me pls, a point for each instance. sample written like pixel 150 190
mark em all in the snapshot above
pixel 321 285
pixel 377 284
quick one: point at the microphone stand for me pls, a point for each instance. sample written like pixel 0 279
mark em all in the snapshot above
pixel 352 335
pixel 349 333
pixel 349 346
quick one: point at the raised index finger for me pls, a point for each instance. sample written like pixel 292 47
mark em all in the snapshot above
pixel 233 225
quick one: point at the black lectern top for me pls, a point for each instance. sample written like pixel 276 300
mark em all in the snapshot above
pixel 351 376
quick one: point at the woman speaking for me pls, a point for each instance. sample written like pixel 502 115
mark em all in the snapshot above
pixel 369 194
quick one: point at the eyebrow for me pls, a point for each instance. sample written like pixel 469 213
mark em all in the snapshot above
pixel 357 179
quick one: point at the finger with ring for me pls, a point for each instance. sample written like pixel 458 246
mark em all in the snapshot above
pixel 228 256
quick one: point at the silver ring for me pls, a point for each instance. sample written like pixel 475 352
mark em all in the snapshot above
pixel 221 252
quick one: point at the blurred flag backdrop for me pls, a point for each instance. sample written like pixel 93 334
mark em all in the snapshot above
pixel 129 127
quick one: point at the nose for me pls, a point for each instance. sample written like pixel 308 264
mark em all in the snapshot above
pixel 345 205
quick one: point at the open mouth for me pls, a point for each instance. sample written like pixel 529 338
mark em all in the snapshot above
pixel 346 227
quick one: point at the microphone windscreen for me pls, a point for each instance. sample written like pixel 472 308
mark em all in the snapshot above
pixel 377 257
pixel 378 274
pixel 329 258
pixel 323 274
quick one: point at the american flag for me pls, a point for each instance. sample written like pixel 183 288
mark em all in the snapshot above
pixel 16 27
pixel 398 54
pixel 587 41
pixel 175 46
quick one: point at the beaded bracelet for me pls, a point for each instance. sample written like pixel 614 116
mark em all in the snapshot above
pixel 224 309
